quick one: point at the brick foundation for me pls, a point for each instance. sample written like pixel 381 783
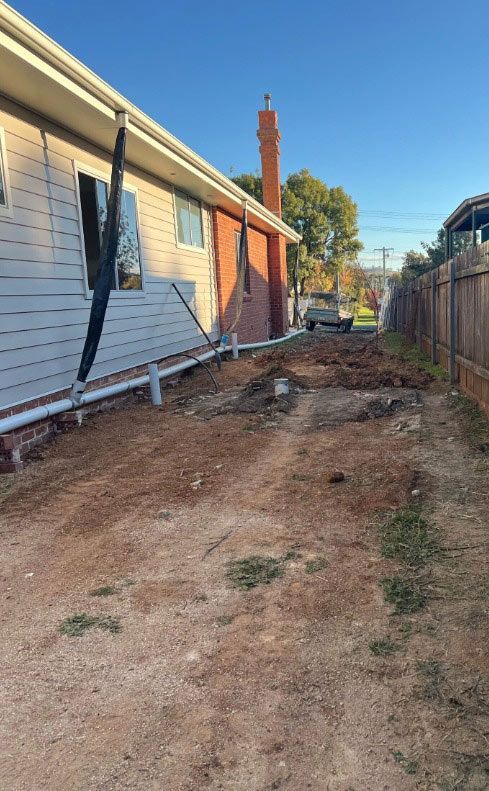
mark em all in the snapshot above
pixel 15 445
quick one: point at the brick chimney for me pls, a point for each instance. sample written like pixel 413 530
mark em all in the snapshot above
pixel 269 138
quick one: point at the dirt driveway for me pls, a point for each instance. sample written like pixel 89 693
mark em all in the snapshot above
pixel 191 599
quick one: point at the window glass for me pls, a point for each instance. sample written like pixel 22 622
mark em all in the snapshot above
pixel 93 199
pixel 196 223
pixel 183 218
pixel 128 263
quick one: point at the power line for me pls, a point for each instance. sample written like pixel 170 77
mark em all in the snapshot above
pixel 405 215
pixel 396 229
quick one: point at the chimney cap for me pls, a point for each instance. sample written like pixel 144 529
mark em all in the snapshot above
pixel 268 99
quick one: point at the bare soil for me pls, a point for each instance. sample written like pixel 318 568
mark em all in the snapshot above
pixel 208 686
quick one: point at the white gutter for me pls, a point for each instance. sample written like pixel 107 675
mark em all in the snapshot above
pixel 22 419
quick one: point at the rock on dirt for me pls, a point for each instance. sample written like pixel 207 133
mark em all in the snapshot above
pixel 335 476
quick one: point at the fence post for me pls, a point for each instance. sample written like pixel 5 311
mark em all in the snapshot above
pixel 453 328
pixel 418 312
pixel 434 341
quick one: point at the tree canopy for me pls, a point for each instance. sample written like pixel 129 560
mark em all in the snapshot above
pixel 326 218
pixel 416 263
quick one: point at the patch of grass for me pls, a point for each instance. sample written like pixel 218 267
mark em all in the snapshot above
pixel 404 594
pixel 410 767
pixel 224 620
pixel 406 629
pixel 105 590
pixel 474 420
pixel 257 570
pixel 397 344
pixel 315 565
pixel 432 673
pixel 407 536
pixel 77 625
pixel 364 317
pixel 383 647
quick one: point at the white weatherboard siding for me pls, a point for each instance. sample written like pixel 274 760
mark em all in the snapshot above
pixel 44 306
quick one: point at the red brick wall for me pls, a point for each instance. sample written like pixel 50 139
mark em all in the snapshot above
pixel 255 322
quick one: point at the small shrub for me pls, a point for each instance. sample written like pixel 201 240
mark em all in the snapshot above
pixel 315 565
pixel 410 767
pixel 105 590
pixel 383 647
pixel 77 625
pixel 405 596
pixel 257 570
pixel 224 620
pixel 407 536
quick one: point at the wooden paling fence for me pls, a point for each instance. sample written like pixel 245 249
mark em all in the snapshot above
pixel 446 312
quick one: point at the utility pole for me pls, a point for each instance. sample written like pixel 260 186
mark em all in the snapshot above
pixel 385 253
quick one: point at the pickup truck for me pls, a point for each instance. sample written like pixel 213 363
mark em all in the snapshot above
pixel 329 309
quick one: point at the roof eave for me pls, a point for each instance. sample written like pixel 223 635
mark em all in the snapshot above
pixel 88 89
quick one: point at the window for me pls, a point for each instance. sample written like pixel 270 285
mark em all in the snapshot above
pixel 93 200
pixel 5 200
pixel 189 220
pixel 247 286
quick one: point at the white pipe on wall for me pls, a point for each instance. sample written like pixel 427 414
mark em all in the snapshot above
pixel 22 419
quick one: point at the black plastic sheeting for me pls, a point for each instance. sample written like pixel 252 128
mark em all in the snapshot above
pixel 108 254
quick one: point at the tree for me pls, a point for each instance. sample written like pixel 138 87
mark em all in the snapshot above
pixel 250 183
pixel 436 250
pixel 414 265
pixel 325 217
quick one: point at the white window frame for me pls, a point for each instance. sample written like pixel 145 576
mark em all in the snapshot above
pixel 199 250
pixel 8 210
pixel 87 170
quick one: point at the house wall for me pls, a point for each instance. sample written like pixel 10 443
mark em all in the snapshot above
pixel 255 322
pixel 44 305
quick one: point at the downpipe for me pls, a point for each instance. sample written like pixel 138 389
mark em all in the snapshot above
pixel 22 419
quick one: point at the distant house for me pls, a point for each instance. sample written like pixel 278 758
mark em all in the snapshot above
pixel 471 217
pixel 181 221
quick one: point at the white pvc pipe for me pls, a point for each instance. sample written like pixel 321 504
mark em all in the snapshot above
pixel 154 384
pixel 234 345
pixel 64 405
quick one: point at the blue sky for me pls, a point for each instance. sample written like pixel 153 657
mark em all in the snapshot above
pixel 383 98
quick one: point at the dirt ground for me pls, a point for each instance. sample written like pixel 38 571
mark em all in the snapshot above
pixel 198 684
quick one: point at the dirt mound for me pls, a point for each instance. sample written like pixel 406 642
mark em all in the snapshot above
pixel 368 368
pixel 277 371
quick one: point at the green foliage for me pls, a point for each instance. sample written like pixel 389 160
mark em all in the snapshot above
pixel 475 422
pixel 250 183
pixel 76 625
pixel 325 217
pixel 397 344
pixel 435 251
pixel 105 590
pixel 257 570
pixel 315 565
pixel 431 672
pixel 383 647
pixel 434 254
pixel 224 620
pixel 410 767
pixel 404 594
pixel 407 536
pixel 414 265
